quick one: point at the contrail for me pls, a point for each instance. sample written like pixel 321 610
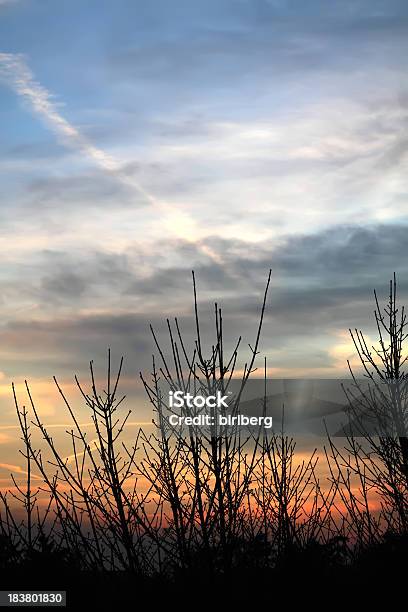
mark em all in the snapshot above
pixel 15 71
pixel 18 469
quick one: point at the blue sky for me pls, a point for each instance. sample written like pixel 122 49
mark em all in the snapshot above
pixel 142 139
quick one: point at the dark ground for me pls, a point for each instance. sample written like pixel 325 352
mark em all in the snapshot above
pixel 310 576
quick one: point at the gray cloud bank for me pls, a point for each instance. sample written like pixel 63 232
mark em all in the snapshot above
pixel 321 284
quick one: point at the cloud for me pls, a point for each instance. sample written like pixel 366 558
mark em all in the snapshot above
pixel 93 189
pixel 352 258
pixel 322 284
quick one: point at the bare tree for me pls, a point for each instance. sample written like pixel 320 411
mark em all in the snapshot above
pixel 217 498
pixel 375 459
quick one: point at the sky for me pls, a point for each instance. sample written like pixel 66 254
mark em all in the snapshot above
pixel 143 139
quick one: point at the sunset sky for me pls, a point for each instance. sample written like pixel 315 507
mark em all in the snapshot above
pixel 141 139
